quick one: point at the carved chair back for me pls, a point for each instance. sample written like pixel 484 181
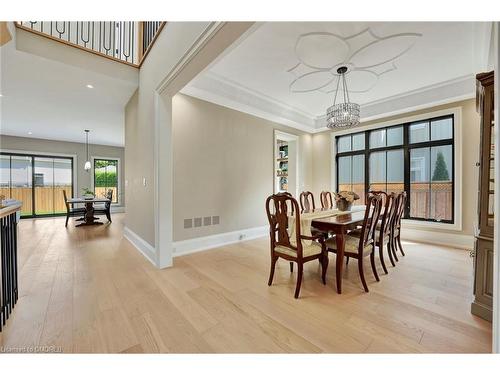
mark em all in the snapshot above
pixel 400 209
pixel 372 214
pixel 278 208
pixel 326 199
pixel 390 210
pixel 307 201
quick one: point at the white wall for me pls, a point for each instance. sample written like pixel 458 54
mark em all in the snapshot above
pixel 223 166
pixel 172 43
pixel 182 50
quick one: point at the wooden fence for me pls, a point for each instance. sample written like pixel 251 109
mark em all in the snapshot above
pixel 48 200
pixel 434 203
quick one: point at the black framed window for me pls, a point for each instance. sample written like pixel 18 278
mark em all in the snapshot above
pixel 416 157
pixel 38 181
pixel 106 178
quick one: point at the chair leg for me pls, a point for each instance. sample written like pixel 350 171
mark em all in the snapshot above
pixel 372 261
pixel 108 216
pixel 400 246
pixel 347 261
pixel 362 274
pixel 299 279
pixel 271 274
pixel 67 218
pixel 394 248
pixel 324 267
pixel 291 267
pixel 381 256
pixel 389 251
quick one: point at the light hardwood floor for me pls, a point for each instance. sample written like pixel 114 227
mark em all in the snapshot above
pixel 88 290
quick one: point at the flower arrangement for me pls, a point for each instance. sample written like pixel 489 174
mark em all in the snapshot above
pixel 87 193
pixel 344 199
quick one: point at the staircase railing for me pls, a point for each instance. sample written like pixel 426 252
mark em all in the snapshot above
pixel 8 261
pixel 124 41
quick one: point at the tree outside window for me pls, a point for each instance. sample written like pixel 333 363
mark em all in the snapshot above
pixel 106 178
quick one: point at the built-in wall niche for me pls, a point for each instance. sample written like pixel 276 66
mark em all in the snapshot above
pixel 285 163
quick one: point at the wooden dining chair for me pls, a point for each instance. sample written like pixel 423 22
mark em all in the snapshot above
pixel 307 201
pixel 383 230
pixel 396 225
pixel 326 199
pixel 71 211
pixel 304 249
pixel 106 208
pixel 360 243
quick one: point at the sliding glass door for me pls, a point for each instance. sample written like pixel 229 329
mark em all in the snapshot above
pixel 37 181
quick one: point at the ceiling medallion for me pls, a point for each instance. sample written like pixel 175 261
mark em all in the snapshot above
pixel 365 55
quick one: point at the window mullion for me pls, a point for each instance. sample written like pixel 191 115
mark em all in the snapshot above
pixel 406 150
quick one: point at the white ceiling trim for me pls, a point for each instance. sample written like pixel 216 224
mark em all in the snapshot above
pixel 220 91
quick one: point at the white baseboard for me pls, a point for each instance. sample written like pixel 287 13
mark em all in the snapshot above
pixel 457 240
pixel 140 244
pixel 117 209
pixel 209 242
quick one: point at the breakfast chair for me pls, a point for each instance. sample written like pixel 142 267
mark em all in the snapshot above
pixel 360 243
pixel 383 231
pixel 289 243
pixel 396 225
pixel 326 199
pixel 307 201
pixel 71 211
pixel 106 208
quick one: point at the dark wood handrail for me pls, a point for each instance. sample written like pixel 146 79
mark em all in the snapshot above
pixel 125 42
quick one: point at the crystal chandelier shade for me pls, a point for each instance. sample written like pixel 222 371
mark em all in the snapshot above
pixel 342 115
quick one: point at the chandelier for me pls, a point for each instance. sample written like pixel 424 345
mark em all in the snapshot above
pixel 342 115
pixel 87 165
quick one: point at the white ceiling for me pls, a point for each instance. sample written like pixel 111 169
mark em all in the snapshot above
pixel 255 75
pixel 50 99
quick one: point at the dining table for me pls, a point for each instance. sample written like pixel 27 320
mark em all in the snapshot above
pixel 89 218
pixel 338 223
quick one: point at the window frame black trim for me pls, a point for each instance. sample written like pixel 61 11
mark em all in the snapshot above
pixel 33 195
pixel 406 146
pixel 117 175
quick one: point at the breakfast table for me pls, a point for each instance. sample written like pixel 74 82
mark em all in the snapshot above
pixel 89 218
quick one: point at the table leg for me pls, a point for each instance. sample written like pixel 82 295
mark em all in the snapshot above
pixel 89 218
pixel 340 239
pixel 89 213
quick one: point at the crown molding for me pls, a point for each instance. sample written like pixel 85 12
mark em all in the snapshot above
pixel 221 91
pixel 218 90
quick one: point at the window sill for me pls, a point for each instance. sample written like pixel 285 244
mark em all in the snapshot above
pixel 418 224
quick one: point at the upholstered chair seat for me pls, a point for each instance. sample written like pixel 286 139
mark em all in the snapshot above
pixel 351 244
pixel 313 248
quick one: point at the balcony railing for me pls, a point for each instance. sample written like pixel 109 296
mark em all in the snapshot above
pixel 124 41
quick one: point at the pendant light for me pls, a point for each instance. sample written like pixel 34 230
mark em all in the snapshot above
pixel 88 165
pixel 345 114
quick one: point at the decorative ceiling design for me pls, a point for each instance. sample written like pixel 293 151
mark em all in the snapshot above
pixel 366 55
